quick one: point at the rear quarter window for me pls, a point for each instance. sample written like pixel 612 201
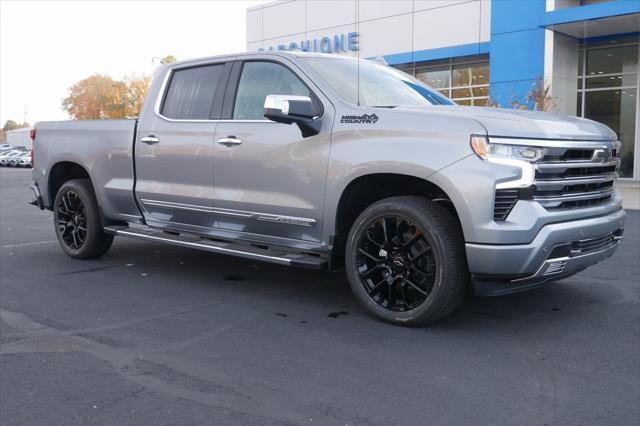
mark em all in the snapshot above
pixel 191 92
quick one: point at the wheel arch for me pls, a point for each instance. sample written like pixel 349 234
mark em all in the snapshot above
pixel 62 172
pixel 364 190
pixel 65 170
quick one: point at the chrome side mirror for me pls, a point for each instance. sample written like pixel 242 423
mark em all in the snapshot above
pixel 289 109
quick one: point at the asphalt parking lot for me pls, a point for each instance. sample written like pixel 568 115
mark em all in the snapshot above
pixel 151 334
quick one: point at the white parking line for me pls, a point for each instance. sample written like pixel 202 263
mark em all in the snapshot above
pixel 29 244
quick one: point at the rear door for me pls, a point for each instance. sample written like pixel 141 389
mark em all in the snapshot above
pixel 269 180
pixel 174 149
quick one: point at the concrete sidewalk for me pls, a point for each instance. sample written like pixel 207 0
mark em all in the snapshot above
pixel 630 191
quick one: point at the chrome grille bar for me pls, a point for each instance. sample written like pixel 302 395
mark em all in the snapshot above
pixel 574 197
pixel 554 166
pixel 561 183
pixel 570 184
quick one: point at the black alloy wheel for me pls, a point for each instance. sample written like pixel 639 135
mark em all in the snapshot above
pixel 405 260
pixel 395 263
pixel 78 222
pixel 72 220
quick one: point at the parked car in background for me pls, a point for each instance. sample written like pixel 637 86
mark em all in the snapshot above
pixel 5 147
pixel 22 160
pixel 6 157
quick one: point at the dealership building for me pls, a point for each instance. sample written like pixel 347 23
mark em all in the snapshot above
pixel 585 52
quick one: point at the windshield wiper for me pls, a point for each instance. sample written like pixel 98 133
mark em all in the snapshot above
pixel 384 106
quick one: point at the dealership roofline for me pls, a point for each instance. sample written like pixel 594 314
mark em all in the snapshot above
pixel 591 12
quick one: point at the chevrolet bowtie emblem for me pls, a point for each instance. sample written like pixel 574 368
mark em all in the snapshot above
pixel 603 155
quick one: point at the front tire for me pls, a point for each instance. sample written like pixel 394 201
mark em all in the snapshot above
pixel 405 260
pixel 77 222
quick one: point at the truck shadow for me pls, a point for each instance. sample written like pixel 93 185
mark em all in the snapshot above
pixel 307 294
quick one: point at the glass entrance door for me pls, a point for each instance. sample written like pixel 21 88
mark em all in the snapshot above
pixel 608 93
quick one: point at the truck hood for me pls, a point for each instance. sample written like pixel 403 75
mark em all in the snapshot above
pixel 524 124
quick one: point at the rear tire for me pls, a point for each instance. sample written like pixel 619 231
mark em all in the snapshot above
pixel 76 218
pixel 405 260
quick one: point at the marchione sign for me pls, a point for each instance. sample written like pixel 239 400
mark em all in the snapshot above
pixel 328 44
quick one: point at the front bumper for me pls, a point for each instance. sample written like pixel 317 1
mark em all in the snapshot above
pixel 559 250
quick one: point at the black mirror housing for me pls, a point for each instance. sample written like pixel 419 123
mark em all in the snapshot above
pixel 289 109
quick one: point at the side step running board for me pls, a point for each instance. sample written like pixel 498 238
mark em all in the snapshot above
pixel 272 255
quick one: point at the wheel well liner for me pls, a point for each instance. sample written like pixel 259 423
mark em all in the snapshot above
pixel 368 189
pixel 62 172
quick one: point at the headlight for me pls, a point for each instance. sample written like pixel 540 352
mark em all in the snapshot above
pixel 488 151
pixel 520 156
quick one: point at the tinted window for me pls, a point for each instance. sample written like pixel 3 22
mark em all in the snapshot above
pixel 191 91
pixel 260 79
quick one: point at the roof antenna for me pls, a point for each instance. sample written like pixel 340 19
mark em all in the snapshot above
pixel 357 4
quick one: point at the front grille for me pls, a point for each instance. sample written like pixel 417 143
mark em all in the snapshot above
pixel 572 155
pixel 575 178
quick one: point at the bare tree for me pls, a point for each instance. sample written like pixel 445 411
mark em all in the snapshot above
pixel 538 97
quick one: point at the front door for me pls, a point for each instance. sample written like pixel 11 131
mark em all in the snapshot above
pixel 268 179
pixel 174 151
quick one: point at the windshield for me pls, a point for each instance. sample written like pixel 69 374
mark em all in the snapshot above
pixel 380 85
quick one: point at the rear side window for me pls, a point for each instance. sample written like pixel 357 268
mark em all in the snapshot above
pixel 260 79
pixel 191 92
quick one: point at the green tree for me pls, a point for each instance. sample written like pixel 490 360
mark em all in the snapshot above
pixel 10 125
pixel 169 59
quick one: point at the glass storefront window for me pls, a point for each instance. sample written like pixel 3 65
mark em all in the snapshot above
pixel 580 62
pixel 616 109
pixel 611 81
pixel 615 60
pixel 579 109
pixel 437 78
pixel 468 75
pixel 461 93
pixel 608 92
pixel 465 80
pixel 472 102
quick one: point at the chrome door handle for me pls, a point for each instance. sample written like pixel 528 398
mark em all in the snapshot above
pixel 149 139
pixel 230 141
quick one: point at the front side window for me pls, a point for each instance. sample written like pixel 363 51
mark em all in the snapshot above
pixel 191 92
pixel 259 79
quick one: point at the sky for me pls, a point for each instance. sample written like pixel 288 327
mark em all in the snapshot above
pixel 47 46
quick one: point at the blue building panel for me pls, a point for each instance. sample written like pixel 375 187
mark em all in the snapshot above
pixel 511 16
pixel 516 63
pixel 441 53
pixel 516 53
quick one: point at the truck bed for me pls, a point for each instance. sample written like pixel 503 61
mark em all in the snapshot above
pixel 104 148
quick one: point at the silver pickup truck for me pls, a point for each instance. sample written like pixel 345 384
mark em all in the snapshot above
pixel 323 161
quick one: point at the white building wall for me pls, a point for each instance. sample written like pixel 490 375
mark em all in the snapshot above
pixel 447 26
pixel 561 71
pixel 385 27
pixel 20 137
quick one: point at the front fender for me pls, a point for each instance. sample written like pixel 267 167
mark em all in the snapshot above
pixel 357 153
